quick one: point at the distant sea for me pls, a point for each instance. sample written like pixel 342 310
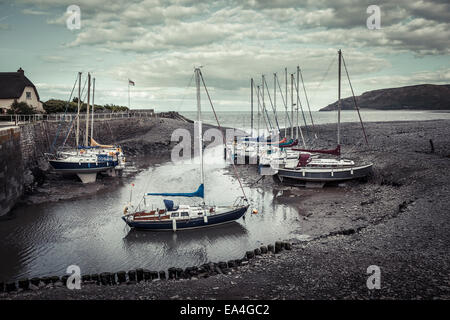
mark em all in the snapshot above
pixel 241 119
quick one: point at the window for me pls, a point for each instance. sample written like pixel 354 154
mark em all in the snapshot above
pixel 185 214
pixel 28 95
pixel 175 215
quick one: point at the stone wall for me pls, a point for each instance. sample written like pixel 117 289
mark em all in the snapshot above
pixel 11 168
pixel 22 154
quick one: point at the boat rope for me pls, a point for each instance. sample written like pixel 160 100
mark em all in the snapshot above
pixel 185 92
pixel 284 102
pixel 223 136
pixel 324 77
pixel 65 112
pixel 307 102
pixel 354 100
pixel 267 114
pixel 259 107
pixel 299 103
pixel 81 104
pixel 273 108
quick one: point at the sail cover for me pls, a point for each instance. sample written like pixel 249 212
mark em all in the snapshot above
pixel 96 144
pixel 169 205
pixel 290 143
pixel 200 193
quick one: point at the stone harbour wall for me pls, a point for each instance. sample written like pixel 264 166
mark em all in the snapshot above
pixel 11 168
pixel 22 150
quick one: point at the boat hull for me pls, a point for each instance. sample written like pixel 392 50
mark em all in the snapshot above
pixel 83 167
pixel 167 225
pixel 325 175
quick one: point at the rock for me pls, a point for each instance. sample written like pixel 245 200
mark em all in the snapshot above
pixel 139 274
pixel 121 276
pixel 132 275
pixel 10 287
pixel 232 263
pixel 84 278
pixel 35 281
pixel 278 246
pixel 250 254
pixel 95 277
pixel 172 272
pixel 287 245
pixel 24 284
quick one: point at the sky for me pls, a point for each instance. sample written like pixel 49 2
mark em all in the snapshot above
pixel 158 43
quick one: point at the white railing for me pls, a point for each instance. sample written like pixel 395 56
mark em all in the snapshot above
pixel 68 117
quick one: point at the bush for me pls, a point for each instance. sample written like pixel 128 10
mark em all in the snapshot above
pixel 59 106
pixel 21 108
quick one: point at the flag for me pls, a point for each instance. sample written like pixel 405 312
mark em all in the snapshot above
pixel 130 82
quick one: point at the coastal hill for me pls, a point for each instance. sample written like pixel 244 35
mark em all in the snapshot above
pixel 418 97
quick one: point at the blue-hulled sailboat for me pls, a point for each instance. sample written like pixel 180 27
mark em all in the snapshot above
pixel 86 161
pixel 180 217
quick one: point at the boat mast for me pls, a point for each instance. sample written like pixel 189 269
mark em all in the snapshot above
pixel 87 111
pixel 199 122
pixel 257 139
pixel 78 111
pixel 285 77
pixel 93 107
pixel 292 106
pixel 339 100
pixel 263 105
pixel 251 102
pixel 275 100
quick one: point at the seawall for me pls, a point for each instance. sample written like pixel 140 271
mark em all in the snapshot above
pixel 11 168
pixel 23 164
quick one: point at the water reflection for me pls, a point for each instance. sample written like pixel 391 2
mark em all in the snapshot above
pixel 89 232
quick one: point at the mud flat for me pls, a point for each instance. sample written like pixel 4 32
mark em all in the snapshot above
pixel 397 220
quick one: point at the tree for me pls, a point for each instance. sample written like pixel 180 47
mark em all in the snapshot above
pixel 21 108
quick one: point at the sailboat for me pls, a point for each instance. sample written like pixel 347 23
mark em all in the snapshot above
pixel 316 169
pixel 175 217
pixel 83 160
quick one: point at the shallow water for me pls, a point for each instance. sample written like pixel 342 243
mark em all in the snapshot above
pixel 45 239
pixel 242 119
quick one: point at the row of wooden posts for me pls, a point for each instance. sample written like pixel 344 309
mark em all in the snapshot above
pixel 138 275
pixel 56 117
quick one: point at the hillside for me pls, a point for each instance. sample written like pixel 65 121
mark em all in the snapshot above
pixel 418 97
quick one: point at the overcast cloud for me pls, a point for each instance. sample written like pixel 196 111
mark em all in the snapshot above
pixel 158 43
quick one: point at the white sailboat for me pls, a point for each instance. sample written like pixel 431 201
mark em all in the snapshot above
pixel 318 169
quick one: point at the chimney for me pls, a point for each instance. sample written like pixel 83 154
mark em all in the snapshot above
pixel 21 71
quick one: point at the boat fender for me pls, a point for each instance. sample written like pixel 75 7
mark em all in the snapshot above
pixel 205 218
pixel 174 224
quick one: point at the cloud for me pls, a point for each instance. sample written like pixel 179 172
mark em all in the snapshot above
pixel 53 58
pixel 157 43
pixel 34 12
